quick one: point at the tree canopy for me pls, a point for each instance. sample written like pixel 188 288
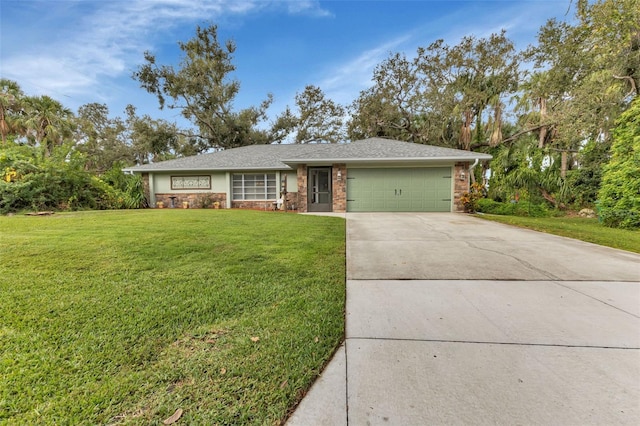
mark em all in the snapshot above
pixel 203 89
pixel 446 95
pixel 316 119
pixel 620 192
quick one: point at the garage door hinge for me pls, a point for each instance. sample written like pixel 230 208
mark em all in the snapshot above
pixel 446 199
pixel 350 200
pixel 446 177
pixel 350 178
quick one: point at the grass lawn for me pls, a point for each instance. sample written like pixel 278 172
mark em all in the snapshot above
pixel 123 317
pixel 589 230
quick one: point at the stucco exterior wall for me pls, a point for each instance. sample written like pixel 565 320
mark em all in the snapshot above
pixel 292 180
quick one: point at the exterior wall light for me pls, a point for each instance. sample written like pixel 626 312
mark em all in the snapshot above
pixel 339 175
pixel 463 176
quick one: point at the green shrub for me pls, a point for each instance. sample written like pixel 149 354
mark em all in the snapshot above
pixel 129 189
pixel 30 182
pixel 619 196
pixel 521 208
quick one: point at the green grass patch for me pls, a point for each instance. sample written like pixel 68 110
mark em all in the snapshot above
pixel 122 317
pixel 589 230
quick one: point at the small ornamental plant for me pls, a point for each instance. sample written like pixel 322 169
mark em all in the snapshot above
pixel 470 199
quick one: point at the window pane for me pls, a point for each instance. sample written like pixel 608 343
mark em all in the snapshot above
pixel 254 186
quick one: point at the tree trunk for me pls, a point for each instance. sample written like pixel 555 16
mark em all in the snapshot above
pixel 548 197
pixel 563 164
pixel 543 116
pixel 465 132
pixel 4 130
pixel 496 134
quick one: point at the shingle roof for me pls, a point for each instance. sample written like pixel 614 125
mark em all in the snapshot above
pixel 252 157
pixel 379 149
pixel 284 156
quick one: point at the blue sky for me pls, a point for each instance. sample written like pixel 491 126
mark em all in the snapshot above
pixel 85 51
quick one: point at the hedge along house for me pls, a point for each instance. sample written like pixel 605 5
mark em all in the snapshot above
pixel 369 175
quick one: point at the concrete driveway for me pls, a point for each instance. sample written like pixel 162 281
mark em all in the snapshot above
pixel 455 320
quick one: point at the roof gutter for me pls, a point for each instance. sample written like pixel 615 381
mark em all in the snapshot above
pixel 204 169
pixel 380 160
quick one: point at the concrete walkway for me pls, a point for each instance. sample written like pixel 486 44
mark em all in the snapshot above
pixel 455 320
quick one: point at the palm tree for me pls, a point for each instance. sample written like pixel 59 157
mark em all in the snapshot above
pixel 10 97
pixel 47 122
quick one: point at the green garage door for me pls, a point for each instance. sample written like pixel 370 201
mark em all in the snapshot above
pixel 399 190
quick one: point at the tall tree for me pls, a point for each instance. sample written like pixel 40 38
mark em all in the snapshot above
pixel 446 95
pixel 613 27
pixel 47 122
pixel 472 80
pixel 593 67
pixel 316 119
pixel 10 100
pixel 584 76
pixel 151 140
pixel 102 139
pixel 202 89
pixel 395 104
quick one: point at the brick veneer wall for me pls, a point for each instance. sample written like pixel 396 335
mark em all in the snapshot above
pixel 339 188
pixel 460 186
pixel 195 200
pixel 302 188
pixel 254 205
pixel 293 200
pixel 292 203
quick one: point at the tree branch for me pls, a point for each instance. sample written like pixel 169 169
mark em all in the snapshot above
pixel 634 87
pixel 522 132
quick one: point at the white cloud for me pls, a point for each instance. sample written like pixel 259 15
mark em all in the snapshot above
pixel 92 48
pixel 346 80
pixel 307 7
pixel 89 44
pixel 343 82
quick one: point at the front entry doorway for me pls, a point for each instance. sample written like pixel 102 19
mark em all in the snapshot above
pixel 319 189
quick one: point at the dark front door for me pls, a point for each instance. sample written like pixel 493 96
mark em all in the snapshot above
pixel 319 189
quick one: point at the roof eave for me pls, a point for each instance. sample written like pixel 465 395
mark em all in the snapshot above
pixel 200 169
pixel 386 159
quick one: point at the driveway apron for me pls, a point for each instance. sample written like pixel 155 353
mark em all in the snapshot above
pixel 455 320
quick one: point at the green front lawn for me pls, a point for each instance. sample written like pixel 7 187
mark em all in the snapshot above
pixel 589 230
pixel 123 317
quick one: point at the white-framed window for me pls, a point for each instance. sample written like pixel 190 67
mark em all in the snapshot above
pixel 190 182
pixel 254 186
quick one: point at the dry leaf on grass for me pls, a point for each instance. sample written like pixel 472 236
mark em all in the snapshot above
pixel 174 418
pixel 283 384
pixel 317 339
pixel 255 339
pixel 223 371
